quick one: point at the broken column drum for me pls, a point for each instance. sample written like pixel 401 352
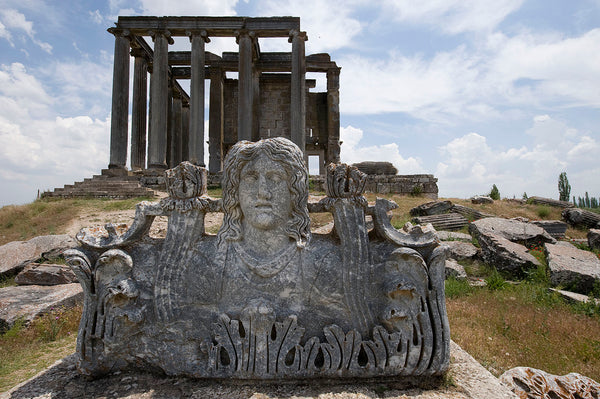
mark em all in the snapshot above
pixel 264 298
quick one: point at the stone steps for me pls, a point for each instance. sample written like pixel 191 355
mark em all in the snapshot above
pixel 446 221
pixel 470 213
pixel 103 186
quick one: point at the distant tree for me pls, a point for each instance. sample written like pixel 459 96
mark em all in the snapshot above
pixel 574 202
pixel 564 188
pixel 494 193
pixel 525 197
pixel 593 202
pixel 587 200
pixel 580 202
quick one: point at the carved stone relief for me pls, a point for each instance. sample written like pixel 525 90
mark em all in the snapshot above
pixel 264 298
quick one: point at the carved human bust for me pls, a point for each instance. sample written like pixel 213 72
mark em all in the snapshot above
pixel 264 299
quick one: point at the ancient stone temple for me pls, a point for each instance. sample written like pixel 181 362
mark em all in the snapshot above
pixel 269 98
pixel 264 299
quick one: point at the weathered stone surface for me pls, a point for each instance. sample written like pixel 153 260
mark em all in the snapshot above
pixel 431 208
pixel 265 298
pixel 575 297
pixel 550 202
pixel 481 199
pixel 45 274
pixel 454 269
pixel 27 302
pixel 446 221
pixel 530 383
pixel 512 230
pixel 61 380
pixel 453 236
pixel 506 255
pixel 572 268
pixel 581 218
pixel 470 213
pixel 460 250
pixel 593 237
pixel 376 168
pixel 555 228
pixel 15 255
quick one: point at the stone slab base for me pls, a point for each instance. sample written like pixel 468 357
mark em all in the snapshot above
pixel 466 379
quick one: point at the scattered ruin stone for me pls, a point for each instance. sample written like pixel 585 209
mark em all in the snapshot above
pixel 470 213
pixel 572 268
pixel 453 236
pixel 376 168
pixel 505 255
pixel 30 301
pixel 581 218
pixel 523 233
pixel 460 250
pixel 15 255
pixel 550 202
pixel 45 274
pixel 454 269
pixel 575 297
pixel 265 299
pixel 446 221
pixel 530 383
pixel 481 199
pixel 593 237
pixel 555 228
pixel 431 208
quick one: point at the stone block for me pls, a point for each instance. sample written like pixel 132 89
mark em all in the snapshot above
pixel 456 270
pixel 530 383
pixel 459 250
pixel 505 255
pixel 572 268
pixel 513 230
pixel 593 237
pixel 45 274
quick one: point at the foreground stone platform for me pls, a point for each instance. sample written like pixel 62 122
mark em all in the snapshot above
pixel 466 379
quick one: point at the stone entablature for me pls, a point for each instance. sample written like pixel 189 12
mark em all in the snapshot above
pixel 265 298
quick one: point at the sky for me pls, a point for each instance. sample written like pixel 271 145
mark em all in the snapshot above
pixel 477 93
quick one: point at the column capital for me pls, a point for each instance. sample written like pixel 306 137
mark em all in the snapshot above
pixel 138 52
pixel 161 32
pixel 120 32
pixel 244 32
pixel 297 34
pixel 202 33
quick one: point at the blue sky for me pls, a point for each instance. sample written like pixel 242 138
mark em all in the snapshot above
pixel 503 92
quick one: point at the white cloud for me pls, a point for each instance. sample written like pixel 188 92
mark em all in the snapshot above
pixel 13 19
pixel 469 165
pixel 329 25
pixel 352 152
pixel 452 16
pixel 188 7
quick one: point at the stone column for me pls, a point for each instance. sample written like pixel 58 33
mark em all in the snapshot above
pixel 196 138
pixel 298 87
pixel 157 143
pixel 176 130
pixel 120 100
pixel 138 110
pixel 215 121
pixel 333 116
pixel 245 40
pixel 185 130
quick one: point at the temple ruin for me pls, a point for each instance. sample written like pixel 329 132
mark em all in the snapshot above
pixel 269 98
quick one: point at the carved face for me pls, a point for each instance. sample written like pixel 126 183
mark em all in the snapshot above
pixel 264 194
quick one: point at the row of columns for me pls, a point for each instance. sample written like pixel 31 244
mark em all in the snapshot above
pixel 166 111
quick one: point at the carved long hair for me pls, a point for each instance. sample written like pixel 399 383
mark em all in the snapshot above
pixel 289 156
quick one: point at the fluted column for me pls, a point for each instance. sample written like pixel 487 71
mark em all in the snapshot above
pixel 196 138
pixel 157 143
pixel 176 130
pixel 120 100
pixel 245 41
pixel 138 110
pixel 333 110
pixel 298 88
pixel 215 121
pixel 185 130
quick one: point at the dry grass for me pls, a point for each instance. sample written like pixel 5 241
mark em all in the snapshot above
pixel 25 351
pixel 505 329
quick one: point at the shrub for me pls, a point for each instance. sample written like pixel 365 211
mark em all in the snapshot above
pixel 495 281
pixel 543 211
